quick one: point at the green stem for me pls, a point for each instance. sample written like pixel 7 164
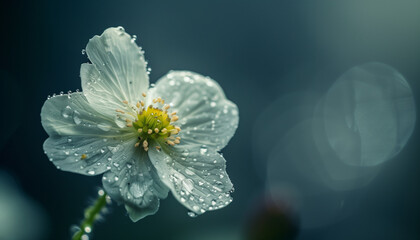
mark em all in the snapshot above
pixel 91 214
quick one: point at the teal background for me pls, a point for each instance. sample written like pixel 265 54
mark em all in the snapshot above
pixel 258 51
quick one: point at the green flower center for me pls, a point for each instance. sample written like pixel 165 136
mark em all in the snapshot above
pixel 153 123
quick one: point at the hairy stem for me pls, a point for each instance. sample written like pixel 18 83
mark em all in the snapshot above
pixel 91 215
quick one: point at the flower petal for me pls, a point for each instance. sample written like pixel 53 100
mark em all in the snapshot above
pixel 205 115
pixel 81 139
pixel 72 115
pixel 84 155
pixel 136 184
pixel 195 174
pixel 117 73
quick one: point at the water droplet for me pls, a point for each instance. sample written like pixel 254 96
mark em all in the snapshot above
pixel 114 149
pixel 136 190
pixel 192 214
pixel 133 38
pixel 213 104
pixel 213 202
pixel 104 127
pixel 116 178
pixel 91 172
pixel 203 149
pixel 67 112
pixel 189 172
pixel 83 51
pixel 76 117
pixel 188 185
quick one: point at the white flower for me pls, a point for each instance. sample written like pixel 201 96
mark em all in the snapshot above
pixel 146 141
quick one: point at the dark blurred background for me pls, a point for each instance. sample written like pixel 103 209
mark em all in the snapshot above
pixel 259 52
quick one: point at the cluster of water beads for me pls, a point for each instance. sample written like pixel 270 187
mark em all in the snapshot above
pixel 203 190
pixel 187 183
pixel 216 200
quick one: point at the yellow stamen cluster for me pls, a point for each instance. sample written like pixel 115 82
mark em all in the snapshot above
pixel 152 123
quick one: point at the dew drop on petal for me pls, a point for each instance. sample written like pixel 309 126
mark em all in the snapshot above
pixel 104 127
pixel 76 117
pixel 189 172
pixel 67 111
pixel 192 214
pixel 136 190
pixel 188 185
pixel 203 149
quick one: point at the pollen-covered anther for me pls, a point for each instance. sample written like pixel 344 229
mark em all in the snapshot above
pixel 137 144
pixel 138 104
pixel 120 111
pixel 125 102
pixel 174 113
pixel 158 148
pixel 154 123
pixel 143 94
pixel 129 125
pixel 84 156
